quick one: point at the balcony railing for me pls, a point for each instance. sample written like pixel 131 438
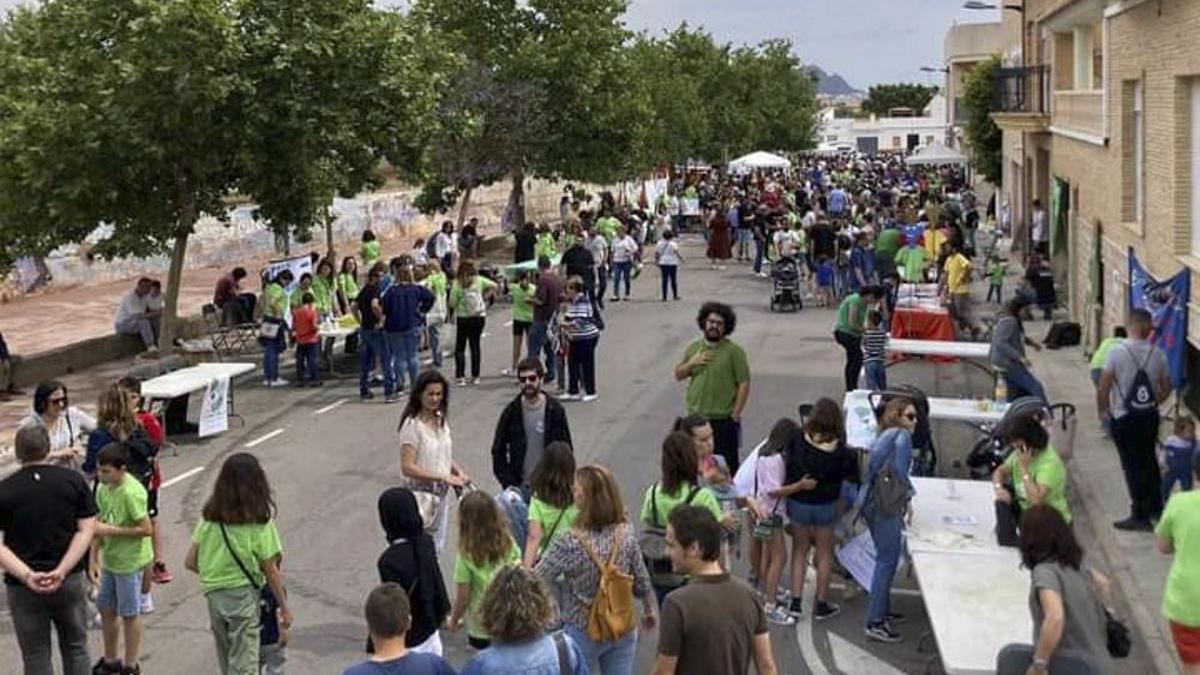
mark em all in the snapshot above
pixel 1023 90
pixel 1079 111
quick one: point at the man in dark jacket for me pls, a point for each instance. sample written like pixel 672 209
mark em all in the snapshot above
pixel 528 424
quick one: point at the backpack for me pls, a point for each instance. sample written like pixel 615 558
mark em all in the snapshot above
pixel 1063 334
pixel 1139 397
pixel 431 247
pixel 653 543
pixel 141 455
pixel 889 491
pixel 473 299
pixel 612 615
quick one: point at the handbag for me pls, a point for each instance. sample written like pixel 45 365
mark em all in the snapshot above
pixel 1116 635
pixel 765 528
pixel 268 604
pixel 653 543
pixel 268 330
pixel 429 496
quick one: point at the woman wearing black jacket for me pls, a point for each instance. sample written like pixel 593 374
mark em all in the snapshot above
pixel 411 561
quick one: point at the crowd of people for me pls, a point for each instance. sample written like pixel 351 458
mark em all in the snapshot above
pixel 554 574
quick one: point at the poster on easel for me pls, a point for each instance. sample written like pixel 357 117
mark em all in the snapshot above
pixel 214 411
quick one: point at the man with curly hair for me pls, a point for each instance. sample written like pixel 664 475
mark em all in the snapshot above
pixel 718 377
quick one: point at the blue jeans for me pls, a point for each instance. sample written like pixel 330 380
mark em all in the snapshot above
pixel 405 347
pixel 621 270
pixel 271 351
pixel 758 255
pixel 876 375
pixel 306 362
pixel 1021 380
pixel 435 342
pixel 670 275
pixel 615 658
pixel 1179 469
pixel 601 285
pixel 581 364
pixel 374 347
pixel 886 534
pixel 539 341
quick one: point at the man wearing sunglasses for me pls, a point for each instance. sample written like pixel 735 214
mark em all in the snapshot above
pixel 528 424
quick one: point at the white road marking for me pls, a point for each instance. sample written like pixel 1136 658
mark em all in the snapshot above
pixel 331 406
pixel 853 660
pixel 181 477
pixel 264 438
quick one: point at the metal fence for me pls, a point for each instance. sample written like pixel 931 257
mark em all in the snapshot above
pixel 1023 90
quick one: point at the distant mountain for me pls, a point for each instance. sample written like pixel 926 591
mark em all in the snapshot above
pixel 831 85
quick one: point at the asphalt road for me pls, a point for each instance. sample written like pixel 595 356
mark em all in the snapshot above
pixel 329 456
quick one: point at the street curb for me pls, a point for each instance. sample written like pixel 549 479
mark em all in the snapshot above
pixel 1160 645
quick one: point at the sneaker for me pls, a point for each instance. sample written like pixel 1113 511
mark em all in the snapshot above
pixel 882 632
pixel 796 609
pixel 161 574
pixel 103 667
pixel 474 380
pixel 1132 524
pixel 616 298
pixel 509 372
pixel 570 397
pixel 779 616
pixel 365 396
pixel 377 380
pixel 588 398
pixel 316 383
pixel 896 619
pixel 391 398
pixel 278 382
pixel 825 610
pixel 462 382
pixel 266 383
pixel 135 669
pixel 783 596
pixel 146 606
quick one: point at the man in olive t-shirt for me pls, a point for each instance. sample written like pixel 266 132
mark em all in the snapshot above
pixel 715 624
pixel 718 377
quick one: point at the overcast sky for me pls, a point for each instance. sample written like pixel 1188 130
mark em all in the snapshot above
pixel 865 41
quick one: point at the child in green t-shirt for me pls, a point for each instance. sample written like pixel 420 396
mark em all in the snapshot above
pixel 997 267
pixel 484 546
pixel 552 509
pixel 120 549
pixel 522 316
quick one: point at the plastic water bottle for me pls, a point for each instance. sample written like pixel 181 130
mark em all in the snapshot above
pixel 1001 393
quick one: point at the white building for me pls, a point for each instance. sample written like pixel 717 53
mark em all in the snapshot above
pixel 883 134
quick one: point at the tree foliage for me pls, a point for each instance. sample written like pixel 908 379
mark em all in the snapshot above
pixel 983 136
pixel 882 98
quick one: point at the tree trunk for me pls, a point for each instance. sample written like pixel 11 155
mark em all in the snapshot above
pixel 517 198
pixel 462 209
pixel 329 252
pixel 167 328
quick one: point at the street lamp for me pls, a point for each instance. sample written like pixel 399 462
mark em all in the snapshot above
pixel 933 69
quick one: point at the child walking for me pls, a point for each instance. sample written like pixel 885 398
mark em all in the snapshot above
pixel 308 337
pixel 552 509
pixel 996 270
pixel 120 550
pixel 522 317
pixel 826 274
pixel 1177 455
pixel 874 347
pixel 484 546
pixel 770 473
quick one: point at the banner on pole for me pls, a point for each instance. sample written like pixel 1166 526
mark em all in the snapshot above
pixel 1167 303
pixel 214 411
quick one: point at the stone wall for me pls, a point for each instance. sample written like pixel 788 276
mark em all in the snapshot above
pixel 389 214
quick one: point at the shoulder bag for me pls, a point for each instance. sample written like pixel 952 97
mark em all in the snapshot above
pixel 653 543
pixel 268 604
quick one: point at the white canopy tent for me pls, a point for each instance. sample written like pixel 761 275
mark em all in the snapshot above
pixel 759 160
pixel 934 154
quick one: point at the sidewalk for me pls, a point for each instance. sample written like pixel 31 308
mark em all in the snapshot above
pixel 1138 570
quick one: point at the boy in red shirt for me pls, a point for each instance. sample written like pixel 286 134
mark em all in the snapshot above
pixel 308 338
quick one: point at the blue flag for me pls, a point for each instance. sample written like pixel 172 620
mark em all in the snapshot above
pixel 1167 303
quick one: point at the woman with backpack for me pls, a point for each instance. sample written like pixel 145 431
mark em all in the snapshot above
pixel 602 564
pixel 886 503
pixel 679 484
pixel 469 298
pixel 236 551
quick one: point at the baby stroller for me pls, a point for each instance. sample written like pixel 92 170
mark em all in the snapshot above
pixel 1058 419
pixel 785 285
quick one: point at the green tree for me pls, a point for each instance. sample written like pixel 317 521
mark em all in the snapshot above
pixel 122 112
pixel 882 98
pixel 983 136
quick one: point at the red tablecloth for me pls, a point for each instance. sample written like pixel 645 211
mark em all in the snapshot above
pixel 921 324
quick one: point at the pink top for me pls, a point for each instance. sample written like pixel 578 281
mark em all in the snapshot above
pixel 769 473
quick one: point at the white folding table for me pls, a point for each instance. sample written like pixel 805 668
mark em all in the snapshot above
pixel 953 516
pixel 186 381
pixel 329 335
pixel 977 603
pixel 862 427
pixel 960 350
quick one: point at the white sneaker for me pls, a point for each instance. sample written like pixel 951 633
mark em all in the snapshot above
pixel 280 382
pixel 588 398
pixel 266 383
pixel 508 372
pixel 570 397
pixel 779 616
pixel 146 606
pixel 475 380
pixel 462 381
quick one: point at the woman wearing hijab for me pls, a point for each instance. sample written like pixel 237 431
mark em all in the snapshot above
pixel 411 561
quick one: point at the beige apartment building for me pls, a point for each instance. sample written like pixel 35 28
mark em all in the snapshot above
pixel 966 45
pixel 1106 113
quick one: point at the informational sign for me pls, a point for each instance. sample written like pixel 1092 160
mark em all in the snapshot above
pixel 691 207
pixel 858 557
pixel 299 265
pixel 1167 303
pixel 214 411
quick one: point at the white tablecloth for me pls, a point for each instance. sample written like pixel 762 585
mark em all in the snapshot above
pixel 953 516
pixel 965 350
pixel 977 604
pixel 861 425
pixel 187 380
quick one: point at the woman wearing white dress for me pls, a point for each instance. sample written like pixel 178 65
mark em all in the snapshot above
pixel 427 466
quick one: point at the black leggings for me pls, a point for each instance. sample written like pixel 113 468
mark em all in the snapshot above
pixel 470 329
pixel 854 359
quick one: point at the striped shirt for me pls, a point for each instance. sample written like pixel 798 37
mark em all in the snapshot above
pixel 581 324
pixel 874 344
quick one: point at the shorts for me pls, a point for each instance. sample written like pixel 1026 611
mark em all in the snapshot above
pixel 1187 643
pixel 521 327
pixel 120 592
pixel 812 515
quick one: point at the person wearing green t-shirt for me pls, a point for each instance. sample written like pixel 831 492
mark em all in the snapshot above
pixel 484 546
pixel 437 284
pixel 469 298
pixel 608 225
pixel 887 244
pixel 545 244
pixel 1178 534
pixel 346 284
pixel 236 551
pixel 1035 473
pixel 996 269
pixel 718 375
pixel 120 549
pixel 323 290
pixel 911 262
pixel 851 318
pixel 522 316
pixel 275 310
pixel 370 251
pixel 1100 356
pixel 552 510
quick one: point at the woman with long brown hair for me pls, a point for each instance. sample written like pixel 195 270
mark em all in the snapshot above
pixel 469 298
pixel 427 465
pixel 236 551
pixel 601 533
pixel 484 546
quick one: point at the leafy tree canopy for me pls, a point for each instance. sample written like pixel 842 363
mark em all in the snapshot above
pixel 882 98
pixel 983 136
